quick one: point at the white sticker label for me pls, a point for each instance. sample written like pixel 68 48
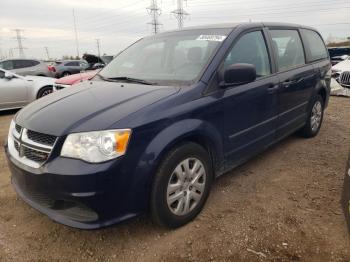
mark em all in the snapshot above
pixel 217 38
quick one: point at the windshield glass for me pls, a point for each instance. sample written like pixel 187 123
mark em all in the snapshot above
pixel 168 58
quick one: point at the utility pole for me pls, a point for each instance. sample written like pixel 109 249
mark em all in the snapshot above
pixel 98 47
pixel 76 34
pixel 180 13
pixel 10 53
pixel 19 42
pixel 154 11
pixel 47 52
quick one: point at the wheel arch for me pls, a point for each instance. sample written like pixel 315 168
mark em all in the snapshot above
pixel 41 88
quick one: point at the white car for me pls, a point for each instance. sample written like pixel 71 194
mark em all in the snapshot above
pixel 341 72
pixel 17 91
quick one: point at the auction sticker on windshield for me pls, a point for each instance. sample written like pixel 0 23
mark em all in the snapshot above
pixel 217 38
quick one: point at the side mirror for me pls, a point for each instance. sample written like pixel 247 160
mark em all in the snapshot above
pixel 238 74
pixel 9 76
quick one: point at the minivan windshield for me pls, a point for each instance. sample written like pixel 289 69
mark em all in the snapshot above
pixel 168 58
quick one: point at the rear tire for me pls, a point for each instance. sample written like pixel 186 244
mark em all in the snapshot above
pixel 314 118
pixel 45 91
pixel 181 186
pixel 64 74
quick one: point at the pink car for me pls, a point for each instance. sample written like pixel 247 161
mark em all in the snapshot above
pixel 70 80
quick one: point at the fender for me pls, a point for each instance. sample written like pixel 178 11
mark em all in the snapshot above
pixel 181 131
pixel 164 141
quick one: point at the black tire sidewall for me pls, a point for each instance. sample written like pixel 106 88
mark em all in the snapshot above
pixel 159 207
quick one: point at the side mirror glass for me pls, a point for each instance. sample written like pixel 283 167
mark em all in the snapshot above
pixel 9 76
pixel 238 74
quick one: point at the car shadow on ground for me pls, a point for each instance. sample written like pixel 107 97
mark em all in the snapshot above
pixel 9 112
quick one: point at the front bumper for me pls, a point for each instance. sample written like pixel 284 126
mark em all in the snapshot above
pixel 73 192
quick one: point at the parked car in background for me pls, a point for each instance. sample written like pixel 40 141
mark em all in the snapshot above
pixel 70 80
pixel 341 72
pixel 167 116
pixel 17 91
pixel 27 67
pixel 96 62
pixel 69 67
pixel 338 54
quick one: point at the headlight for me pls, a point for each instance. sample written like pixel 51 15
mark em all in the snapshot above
pixel 97 146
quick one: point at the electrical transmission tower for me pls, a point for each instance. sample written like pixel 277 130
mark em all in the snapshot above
pixel 19 42
pixel 180 13
pixel 47 52
pixel 98 47
pixel 154 11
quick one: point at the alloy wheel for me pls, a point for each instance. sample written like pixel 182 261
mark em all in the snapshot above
pixel 186 186
pixel 316 116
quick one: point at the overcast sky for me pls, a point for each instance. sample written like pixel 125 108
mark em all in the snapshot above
pixel 117 23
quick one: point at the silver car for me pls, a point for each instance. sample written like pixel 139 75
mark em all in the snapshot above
pixel 27 67
pixel 17 91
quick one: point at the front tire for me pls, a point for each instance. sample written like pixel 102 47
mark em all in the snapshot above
pixel 45 91
pixel 315 118
pixel 181 186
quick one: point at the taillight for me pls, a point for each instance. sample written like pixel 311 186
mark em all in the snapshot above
pixel 52 68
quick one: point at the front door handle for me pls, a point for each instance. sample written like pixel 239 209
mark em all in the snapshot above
pixel 272 88
pixel 290 82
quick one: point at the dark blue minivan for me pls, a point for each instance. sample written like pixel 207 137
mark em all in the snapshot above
pixel 167 116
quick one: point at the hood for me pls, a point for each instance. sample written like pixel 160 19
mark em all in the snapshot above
pixel 342 66
pixel 72 79
pixel 94 105
pixel 39 78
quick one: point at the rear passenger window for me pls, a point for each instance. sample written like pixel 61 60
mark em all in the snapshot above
pixel 251 49
pixel 315 45
pixel 7 65
pixel 34 63
pixel 288 48
pixel 72 64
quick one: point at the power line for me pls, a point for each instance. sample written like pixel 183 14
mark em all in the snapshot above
pixel 180 13
pixel 154 11
pixel 19 42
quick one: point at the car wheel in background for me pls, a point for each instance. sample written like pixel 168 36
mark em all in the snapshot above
pixel 181 185
pixel 66 74
pixel 45 91
pixel 315 118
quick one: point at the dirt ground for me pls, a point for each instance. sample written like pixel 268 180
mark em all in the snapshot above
pixel 282 205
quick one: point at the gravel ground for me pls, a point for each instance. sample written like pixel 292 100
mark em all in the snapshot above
pixel 281 205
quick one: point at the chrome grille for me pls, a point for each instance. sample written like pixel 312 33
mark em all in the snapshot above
pixel 35 155
pixel 344 78
pixel 41 138
pixel 30 147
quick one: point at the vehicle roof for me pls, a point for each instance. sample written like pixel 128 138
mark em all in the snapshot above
pixel 29 59
pixel 244 24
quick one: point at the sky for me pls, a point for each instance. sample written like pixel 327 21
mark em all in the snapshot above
pixel 118 23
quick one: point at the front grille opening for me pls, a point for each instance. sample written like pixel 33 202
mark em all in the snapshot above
pixel 44 139
pixel 16 145
pixel 35 155
pixel 345 78
pixel 18 128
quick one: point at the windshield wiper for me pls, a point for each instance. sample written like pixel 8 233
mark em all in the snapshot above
pixel 129 79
